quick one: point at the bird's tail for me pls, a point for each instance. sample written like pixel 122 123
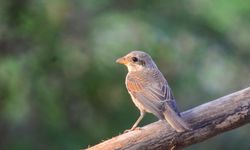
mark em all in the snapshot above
pixel 175 120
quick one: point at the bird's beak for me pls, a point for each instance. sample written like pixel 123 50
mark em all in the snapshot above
pixel 122 60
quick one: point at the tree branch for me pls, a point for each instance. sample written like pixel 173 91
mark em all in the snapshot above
pixel 207 120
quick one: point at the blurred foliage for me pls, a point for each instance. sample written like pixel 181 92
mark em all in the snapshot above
pixel 61 89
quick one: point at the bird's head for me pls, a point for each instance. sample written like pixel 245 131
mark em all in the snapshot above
pixel 137 61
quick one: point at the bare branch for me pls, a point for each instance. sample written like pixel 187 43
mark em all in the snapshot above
pixel 208 120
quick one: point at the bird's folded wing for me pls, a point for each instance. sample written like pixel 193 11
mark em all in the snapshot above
pixel 153 94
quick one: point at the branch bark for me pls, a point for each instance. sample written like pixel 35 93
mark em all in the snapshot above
pixel 207 120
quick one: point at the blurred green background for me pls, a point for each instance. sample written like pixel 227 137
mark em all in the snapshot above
pixel 61 89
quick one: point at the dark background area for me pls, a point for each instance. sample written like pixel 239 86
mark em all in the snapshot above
pixel 60 87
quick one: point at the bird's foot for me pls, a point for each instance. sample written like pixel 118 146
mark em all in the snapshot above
pixel 132 129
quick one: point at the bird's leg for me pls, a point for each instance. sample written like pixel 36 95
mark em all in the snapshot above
pixel 142 113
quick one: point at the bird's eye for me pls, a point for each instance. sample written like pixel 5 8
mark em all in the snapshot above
pixel 134 59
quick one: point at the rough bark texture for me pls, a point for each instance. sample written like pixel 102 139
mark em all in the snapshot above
pixel 207 120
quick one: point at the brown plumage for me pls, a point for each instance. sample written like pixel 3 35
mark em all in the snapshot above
pixel 149 90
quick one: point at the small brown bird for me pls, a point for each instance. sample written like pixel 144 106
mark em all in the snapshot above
pixel 150 91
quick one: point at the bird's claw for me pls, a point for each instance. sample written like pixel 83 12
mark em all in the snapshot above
pixel 133 129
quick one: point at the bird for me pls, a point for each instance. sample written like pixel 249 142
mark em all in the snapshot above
pixel 149 90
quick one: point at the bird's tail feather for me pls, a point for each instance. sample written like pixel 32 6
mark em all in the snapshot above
pixel 175 120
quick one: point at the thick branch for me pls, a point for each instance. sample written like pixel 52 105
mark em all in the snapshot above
pixel 207 120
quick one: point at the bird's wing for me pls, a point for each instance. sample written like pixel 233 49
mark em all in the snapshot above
pixel 151 90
